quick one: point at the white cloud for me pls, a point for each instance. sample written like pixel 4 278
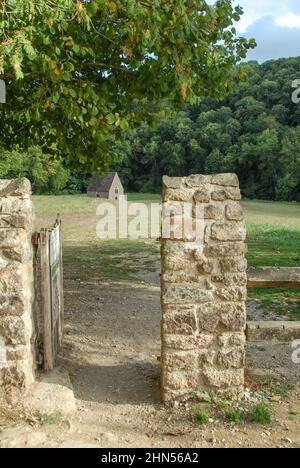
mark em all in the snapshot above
pixel 290 20
pixel 285 12
pixel 273 41
pixel 253 11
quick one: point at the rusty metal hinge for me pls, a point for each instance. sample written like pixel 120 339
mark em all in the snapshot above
pixel 35 238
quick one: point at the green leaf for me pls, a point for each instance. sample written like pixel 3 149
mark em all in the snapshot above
pixel 124 124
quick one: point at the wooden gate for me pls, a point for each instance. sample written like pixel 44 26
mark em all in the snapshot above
pixel 51 292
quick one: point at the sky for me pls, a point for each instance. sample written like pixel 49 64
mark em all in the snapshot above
pixel 275 24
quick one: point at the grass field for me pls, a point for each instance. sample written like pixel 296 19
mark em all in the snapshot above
pixel 273 240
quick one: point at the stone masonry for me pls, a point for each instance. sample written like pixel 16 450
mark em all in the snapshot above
pixel 204 288
pixel 16 285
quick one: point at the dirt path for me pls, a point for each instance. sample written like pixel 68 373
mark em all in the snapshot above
pixel 111 351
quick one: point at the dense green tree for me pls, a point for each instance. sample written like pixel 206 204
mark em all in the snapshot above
pixel 288 186
pixel 47 175
pixel 254 132
pixel 78 71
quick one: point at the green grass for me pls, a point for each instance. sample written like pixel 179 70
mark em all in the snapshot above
pixel 284 302
pixel 220 404
pixel 260 414
pixel 115 260
pixel 273 240
pixel 277 214
pixel 86 257
pixel 234 415
pixel 201 417
pixel 144 197
pixel 68 204
pixel 273 245
pixel 48 419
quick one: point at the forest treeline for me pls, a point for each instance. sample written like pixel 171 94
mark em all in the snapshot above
pixel 254 131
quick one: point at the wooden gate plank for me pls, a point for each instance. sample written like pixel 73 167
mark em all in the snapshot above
pixel 46 300
pixel 62 312
pixel 272 277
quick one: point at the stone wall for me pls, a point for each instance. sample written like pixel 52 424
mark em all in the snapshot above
pixel 16 285
pixel 204 291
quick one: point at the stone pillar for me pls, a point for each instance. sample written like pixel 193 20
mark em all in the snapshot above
pixel 204 288
pixel 16 285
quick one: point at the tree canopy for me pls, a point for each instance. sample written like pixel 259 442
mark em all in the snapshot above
pixel 78 72
pixel 254 131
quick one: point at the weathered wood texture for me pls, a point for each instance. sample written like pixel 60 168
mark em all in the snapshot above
pixel 46 300
pixel 51 293
pixel 272 277
pixel 276 332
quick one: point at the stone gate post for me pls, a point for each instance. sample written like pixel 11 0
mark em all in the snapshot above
pixel 16 285
pixel 204 291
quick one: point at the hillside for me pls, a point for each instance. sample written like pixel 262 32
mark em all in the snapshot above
pixel 254 131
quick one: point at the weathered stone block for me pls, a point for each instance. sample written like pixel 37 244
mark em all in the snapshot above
pixel 230 249
pixel 196 181
pixel 186 343
pixel 213 212
pixel 181 322
pixel 233 359
pixel 13 221
pixel 20 254
pixel 235 279
pixel 16 206
pixel 228 232
pixel 185 294
pixel 177 262
pixel 3 262
pixel 230 180
pixel 15 188
pixel 231 294
pixel 206 356
pixel 15 331
pixel 10 279
pixel 182 277
pixel 233 265
pixel 18 374
pixel 183 360
pixel 170 248
pixel 202 194
pixel 221 317
pixel 180 380
pixel 13 305
pixel 204 265
pixel 183 195
pixel 223 378
pixel 231 340
pixel 18 353
pixel 13 238
pixel 226 194
pixel 173 182
pixel 234 212
pixel 179 224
